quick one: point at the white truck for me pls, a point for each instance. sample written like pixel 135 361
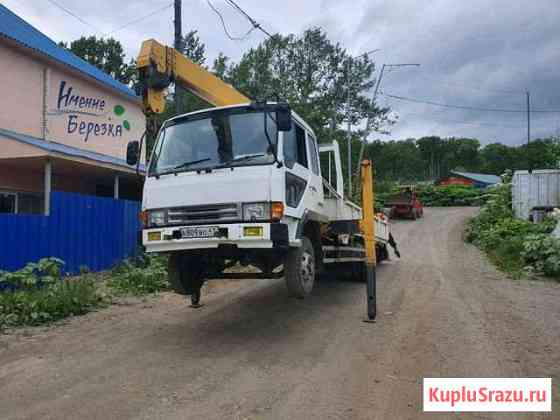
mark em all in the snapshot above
pixel 242 184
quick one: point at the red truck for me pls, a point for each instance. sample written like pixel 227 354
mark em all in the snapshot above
pixel 405 204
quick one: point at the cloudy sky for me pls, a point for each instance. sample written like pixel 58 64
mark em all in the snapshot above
pixel 475 53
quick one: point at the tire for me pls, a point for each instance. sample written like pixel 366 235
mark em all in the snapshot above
pixel 184 274
pixel 300 269
pixel 413 214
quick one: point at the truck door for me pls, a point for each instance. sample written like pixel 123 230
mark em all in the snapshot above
pixel 315 181
pixel 298 175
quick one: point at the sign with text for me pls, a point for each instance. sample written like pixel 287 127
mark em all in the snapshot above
pixel 487 394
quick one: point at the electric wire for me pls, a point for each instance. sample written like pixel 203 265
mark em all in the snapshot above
pixel 470 108
pixel 228 34
pixel 254 23
pixel 75 16
pixel 132 22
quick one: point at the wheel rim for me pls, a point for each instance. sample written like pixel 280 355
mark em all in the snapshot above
pixel 307 269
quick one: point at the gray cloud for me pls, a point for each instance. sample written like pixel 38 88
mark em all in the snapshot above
pixel 481 53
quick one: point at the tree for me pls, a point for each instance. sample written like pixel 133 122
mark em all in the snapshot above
pixel 315 75
pixel 105 54
pixel 193 48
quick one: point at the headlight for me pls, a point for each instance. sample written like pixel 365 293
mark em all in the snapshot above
pixel 157 218
pixel 256 211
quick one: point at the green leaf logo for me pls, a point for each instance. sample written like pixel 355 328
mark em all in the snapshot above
pixel 118 110
pixel 126 124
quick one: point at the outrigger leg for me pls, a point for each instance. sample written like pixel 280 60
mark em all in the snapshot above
pixel 195 293
pixel 394 245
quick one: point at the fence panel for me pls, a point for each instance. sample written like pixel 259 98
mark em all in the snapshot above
pixel 82 230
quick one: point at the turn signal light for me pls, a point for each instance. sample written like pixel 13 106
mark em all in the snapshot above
pixel 276 211
pixel 143 216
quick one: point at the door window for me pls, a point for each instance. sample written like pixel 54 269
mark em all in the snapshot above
pixel 294 146
pixel 314 158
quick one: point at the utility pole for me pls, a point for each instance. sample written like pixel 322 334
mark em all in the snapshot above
pixel 374 97
pixel 528 117
pixel 178 46
pixel 349 127
pixel 529 130
pixel 349 135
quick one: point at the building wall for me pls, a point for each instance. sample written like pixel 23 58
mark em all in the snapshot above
pixel 83 114
pixel 14 178
pixel 79 111
pixel 21 101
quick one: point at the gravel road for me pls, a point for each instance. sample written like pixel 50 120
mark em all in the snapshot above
pixel 254 353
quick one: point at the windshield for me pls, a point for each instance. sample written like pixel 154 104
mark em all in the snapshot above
pixel 221 139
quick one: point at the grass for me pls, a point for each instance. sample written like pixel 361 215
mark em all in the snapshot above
pixel 41 305
pixel 148 277
pixel 39 294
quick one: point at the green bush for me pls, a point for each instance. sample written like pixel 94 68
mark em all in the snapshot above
pixel 512 244
pixel 38 294
pixel 450 195
pixel 542 252
pixel 150 276
pixel 436 196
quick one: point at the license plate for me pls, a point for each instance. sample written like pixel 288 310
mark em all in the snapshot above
pixel 200 232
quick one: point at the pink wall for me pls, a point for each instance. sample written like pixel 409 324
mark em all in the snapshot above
pixel 98 126
pixel 18 179
pixel 21 78
pixel 88 118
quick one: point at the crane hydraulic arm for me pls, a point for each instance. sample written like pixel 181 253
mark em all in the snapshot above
pixel 159 66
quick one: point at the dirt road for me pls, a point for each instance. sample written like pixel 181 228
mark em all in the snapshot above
pixel 253 353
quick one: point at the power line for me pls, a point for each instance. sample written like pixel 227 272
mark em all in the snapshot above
pixel 64 9
pixel 132 22
pixel 255 24
pixel 470 108
pixel 233 38
pixel 471 87
pixel 481 124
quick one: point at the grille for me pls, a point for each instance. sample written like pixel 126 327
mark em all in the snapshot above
pixel 204 214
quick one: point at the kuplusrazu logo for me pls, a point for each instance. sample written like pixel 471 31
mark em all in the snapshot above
pixel 81 110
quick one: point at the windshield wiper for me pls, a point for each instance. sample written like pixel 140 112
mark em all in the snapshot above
pixel 244 158
pixel 187 164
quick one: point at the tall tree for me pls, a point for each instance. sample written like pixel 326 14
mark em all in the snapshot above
pixel 317 77
pixel 193 48
pixel 106 54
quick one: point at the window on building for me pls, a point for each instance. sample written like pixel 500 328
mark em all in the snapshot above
pixel 314 158
pixel 294 145
pixel 21 203
pixel 8 202
pixel 30 203
pixel 102 190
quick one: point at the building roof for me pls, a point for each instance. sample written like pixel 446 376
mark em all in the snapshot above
pixel 481 178
pixel 16 29
pixel 50 146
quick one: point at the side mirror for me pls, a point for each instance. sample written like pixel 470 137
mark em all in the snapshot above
pixel 283 117
pixel 132 152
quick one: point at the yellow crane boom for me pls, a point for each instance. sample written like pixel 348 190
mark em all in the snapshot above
pixel 159 66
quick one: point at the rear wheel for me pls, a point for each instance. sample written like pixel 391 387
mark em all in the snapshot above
pixel 300 269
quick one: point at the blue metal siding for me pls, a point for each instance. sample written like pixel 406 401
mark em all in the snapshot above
pixel 81 230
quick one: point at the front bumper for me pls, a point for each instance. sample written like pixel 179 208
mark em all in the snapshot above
pixel 274 235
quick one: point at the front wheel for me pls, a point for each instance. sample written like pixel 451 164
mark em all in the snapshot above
pixel 300 269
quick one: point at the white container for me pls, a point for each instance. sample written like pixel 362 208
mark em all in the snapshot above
pixel 540 188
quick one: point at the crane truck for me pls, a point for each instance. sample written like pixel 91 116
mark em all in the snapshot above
pixel 241 183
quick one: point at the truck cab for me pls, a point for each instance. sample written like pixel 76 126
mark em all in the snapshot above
pixel 241 183
pixel 234 184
